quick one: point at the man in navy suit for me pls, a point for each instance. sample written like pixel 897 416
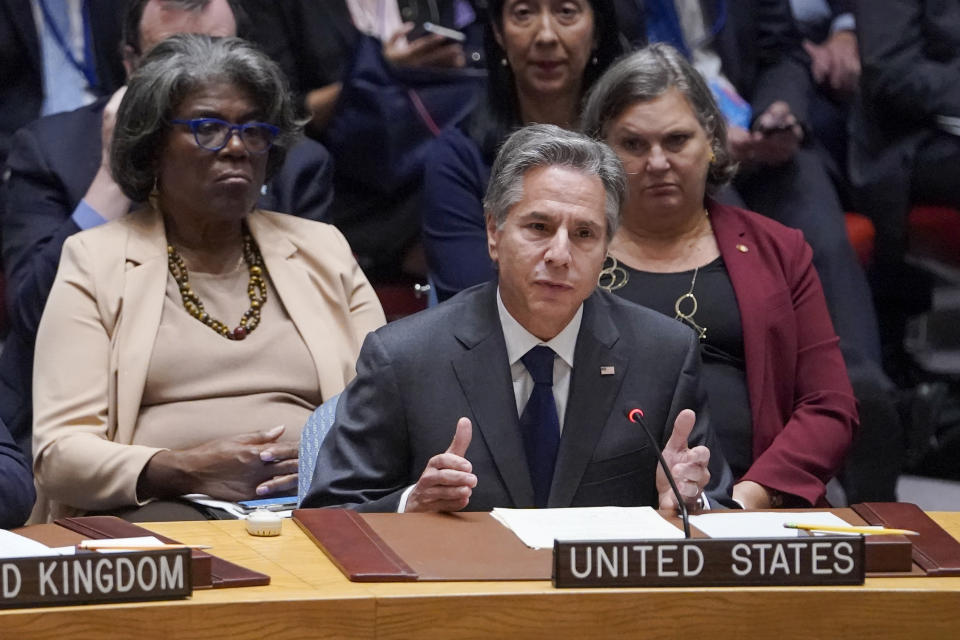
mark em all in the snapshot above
pixel 16 483
pixel 59 183
pixel 438 417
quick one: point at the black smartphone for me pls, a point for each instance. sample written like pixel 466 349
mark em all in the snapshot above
pixel 775 128
pixel 280 503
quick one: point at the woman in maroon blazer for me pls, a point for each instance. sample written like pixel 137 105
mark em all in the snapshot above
pixel 779 394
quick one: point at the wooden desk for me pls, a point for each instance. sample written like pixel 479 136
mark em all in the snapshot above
pixel 309 598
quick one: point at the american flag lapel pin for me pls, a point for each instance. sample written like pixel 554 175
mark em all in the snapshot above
pixel 607 370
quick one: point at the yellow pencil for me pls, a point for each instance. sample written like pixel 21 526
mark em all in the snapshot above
pixel 93 545
pixel 882 531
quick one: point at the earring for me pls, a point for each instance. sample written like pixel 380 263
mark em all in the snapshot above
pixel 503 62
pixel 713 157
pixel 594 61
pixel 154 197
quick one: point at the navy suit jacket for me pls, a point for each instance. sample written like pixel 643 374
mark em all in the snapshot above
pixel 52 163
pixel 16 483
pixel 21 91
pixel 910 52
pixel 416 377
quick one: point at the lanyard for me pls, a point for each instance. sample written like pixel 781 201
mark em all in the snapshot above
pixel 87 67
pixel 719 21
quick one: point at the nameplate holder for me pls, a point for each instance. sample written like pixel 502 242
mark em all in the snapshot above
pixel 710 562
pixel 92 577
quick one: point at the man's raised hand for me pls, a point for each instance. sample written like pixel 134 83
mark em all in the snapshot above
pixel 447 482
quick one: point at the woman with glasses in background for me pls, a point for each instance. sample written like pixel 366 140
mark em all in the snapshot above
pixel 184 345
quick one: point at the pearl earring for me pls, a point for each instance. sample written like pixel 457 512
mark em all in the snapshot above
pixel 503 62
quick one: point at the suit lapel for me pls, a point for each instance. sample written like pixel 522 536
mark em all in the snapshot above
pixel 309 313
pixel 742 267
pixel 144 284
pixel 591 397
pixel 484 376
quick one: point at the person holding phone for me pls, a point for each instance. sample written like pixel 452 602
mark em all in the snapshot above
pixel 542 57
pixel 330 50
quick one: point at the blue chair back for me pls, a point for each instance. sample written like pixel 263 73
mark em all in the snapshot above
pixel 314 431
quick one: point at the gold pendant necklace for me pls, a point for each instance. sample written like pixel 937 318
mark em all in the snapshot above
pixel 687 317
pixel 256 290
pixel 612 275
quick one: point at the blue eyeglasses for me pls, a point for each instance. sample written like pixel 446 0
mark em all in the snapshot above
pixel 213 134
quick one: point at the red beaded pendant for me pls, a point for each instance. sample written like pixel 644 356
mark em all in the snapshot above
pixel 239 333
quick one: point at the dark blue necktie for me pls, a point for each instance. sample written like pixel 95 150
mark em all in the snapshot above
pixel 539 425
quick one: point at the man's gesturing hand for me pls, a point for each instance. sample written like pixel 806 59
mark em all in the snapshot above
pixel 447 482
pixel 689 466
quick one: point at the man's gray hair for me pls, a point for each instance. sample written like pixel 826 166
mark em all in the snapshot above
pixel 546 145
pixel 171 71
pixel 647 74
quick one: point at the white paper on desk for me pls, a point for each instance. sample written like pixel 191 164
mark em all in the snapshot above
pixel 765 524
pixel 538 528
pixel 13 545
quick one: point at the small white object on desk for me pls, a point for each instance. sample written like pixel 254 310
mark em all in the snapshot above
pixel 264 523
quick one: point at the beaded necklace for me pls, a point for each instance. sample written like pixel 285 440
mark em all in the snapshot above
pixel 256 290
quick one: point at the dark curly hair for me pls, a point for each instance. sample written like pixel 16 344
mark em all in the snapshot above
pixel 171 71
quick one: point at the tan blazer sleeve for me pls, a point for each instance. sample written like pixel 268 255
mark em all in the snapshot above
pixel 366 313
pixel 76 462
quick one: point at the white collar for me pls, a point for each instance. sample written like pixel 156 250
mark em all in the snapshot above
pixel 519 340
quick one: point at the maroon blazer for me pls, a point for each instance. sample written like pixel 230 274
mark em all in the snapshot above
pixel 803 409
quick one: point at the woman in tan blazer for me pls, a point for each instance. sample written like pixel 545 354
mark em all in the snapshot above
pixel 146 385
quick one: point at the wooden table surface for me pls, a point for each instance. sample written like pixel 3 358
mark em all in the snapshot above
pixel 309 598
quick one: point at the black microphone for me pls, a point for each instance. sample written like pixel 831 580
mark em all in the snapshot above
pixel 636 416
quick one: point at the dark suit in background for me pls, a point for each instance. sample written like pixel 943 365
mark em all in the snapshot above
pixel 315 42
pixel 762 57
pixel 21 64
pixel 416 377
pixel 16 483
pixel 910 51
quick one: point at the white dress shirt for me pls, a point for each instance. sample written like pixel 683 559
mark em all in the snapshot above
pixel 377 18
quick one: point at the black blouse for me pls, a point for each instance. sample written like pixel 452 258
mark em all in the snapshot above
pixel 724 371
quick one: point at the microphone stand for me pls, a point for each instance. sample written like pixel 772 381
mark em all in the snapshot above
pixel 636 416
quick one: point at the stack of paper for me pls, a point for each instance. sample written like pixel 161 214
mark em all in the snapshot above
pixel 763 524
pixel 538 528
pixel 16 546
